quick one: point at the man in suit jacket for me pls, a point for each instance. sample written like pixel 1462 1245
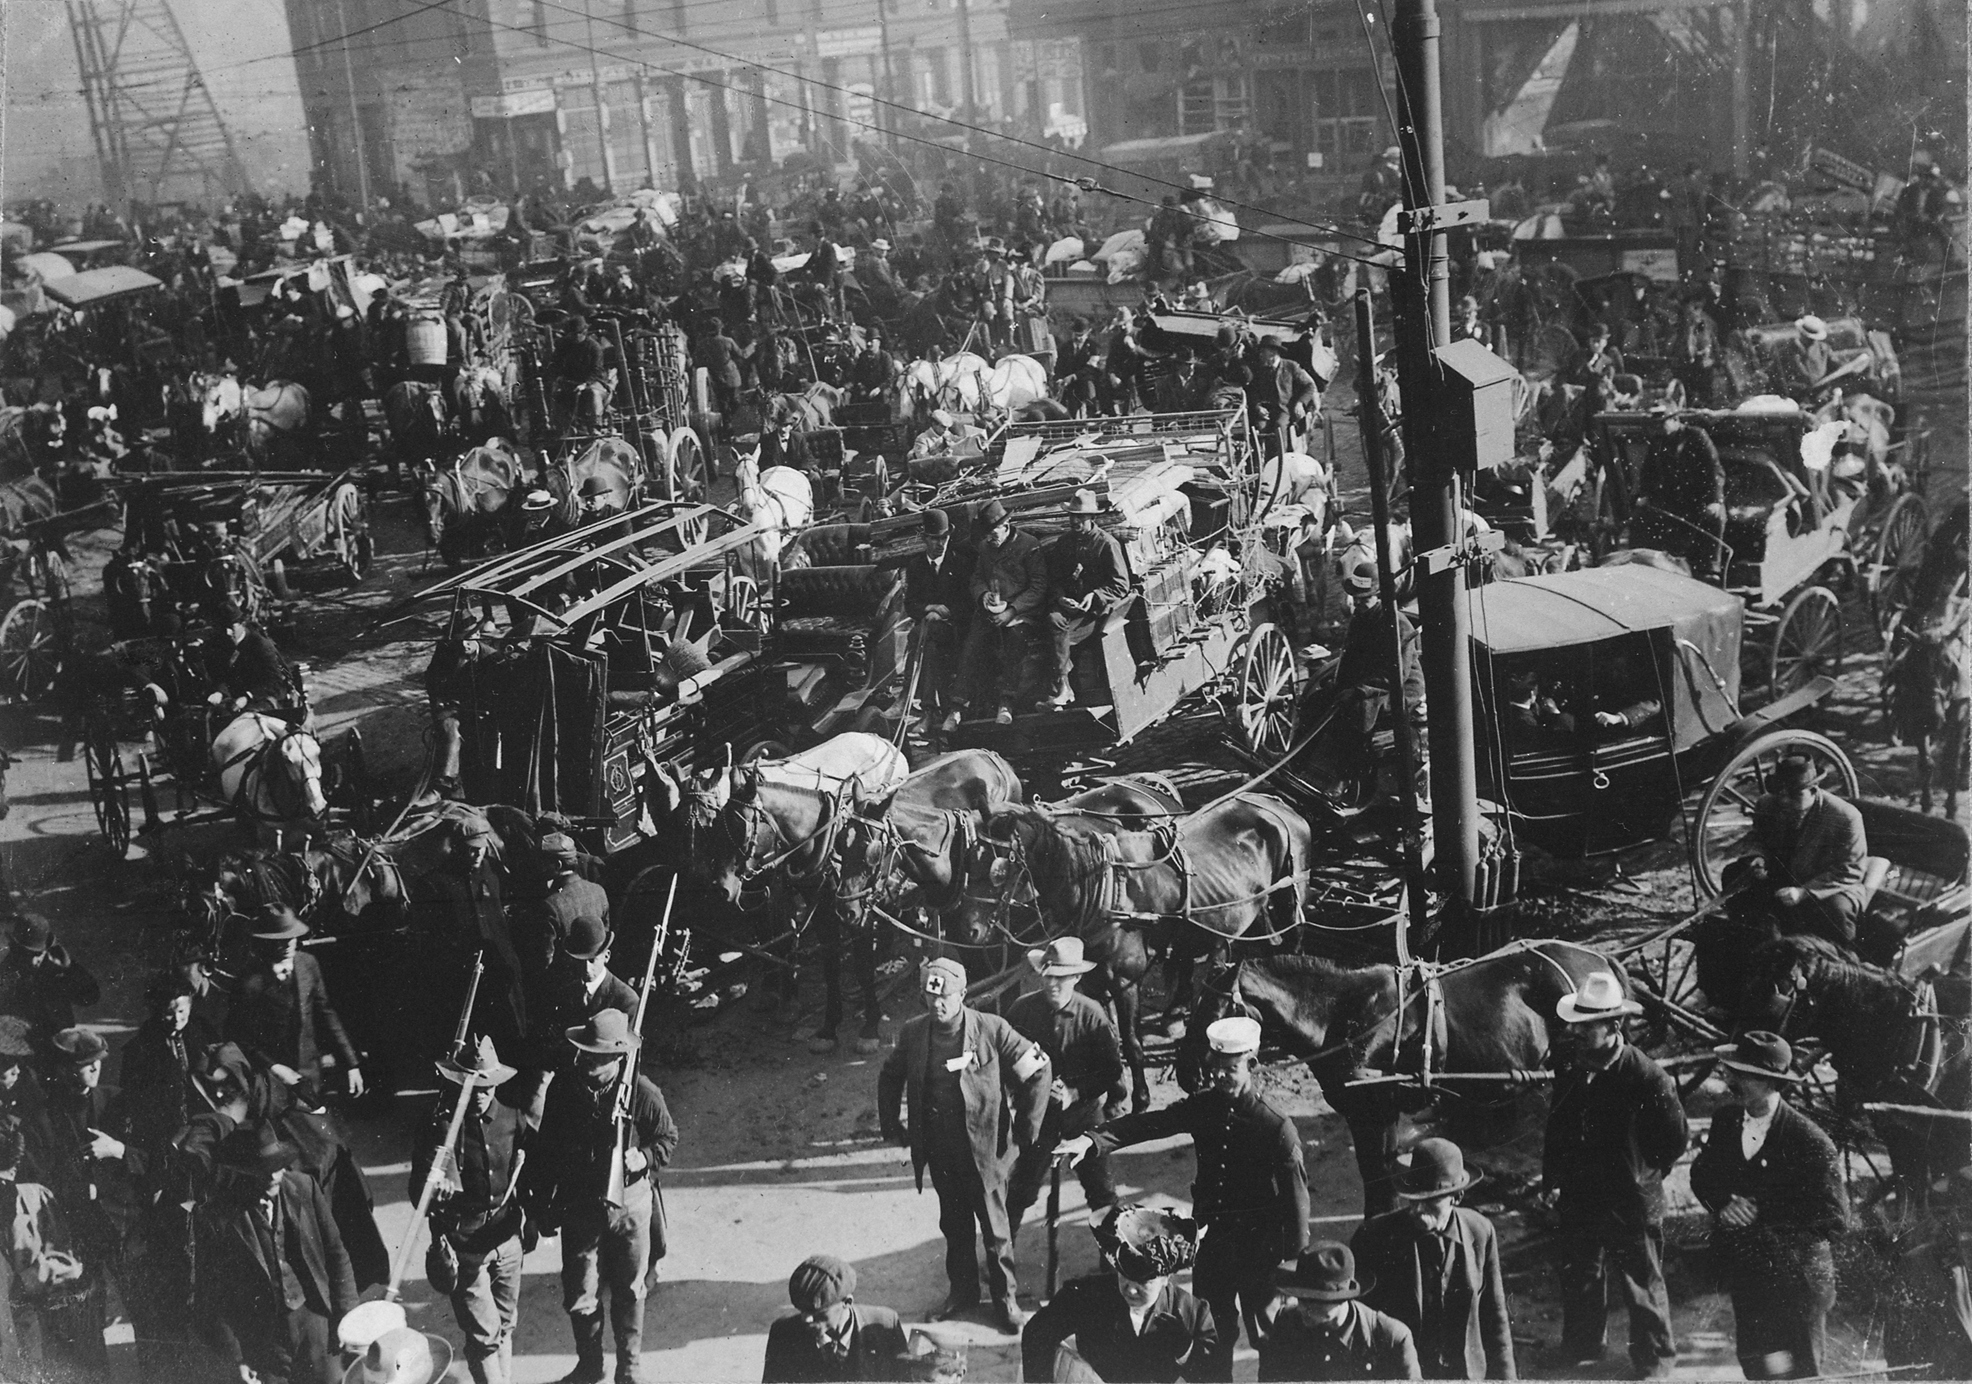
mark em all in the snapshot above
pixel 252 675
pixel 1773 1183
pixel 831 1336
pixel 273 1278
pixel 1435 1267
pixel 281 1015
pixel 1615 1127
pixel 938 594
pixel 1009 591
pixel 1327 1332
pixel 1809 846
pixel 1085 1060
pixel 42 982
pixel 977 1093
pixel 1133 1322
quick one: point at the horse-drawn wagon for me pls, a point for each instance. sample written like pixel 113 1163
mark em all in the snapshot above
pixel 35 631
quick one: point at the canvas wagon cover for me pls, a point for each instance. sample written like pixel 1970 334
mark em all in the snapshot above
pixel 1699 624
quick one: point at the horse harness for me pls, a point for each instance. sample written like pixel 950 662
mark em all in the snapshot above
pixel 253 762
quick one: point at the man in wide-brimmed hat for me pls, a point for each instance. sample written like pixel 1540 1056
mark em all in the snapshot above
pixel 1773 1182
pixel 1436 1267
pixel 273 1277
pixel 606 1250
pixel 1615 1128
pixel 1009 589
pixel 1808 360
pixel 42 982
pixel 281 1015
pixel 476 1220
pixel 1325 1331
pixel 1087 579
pixel 1133 1322
pixel 1086 1059
pixel 1809 850
pixel 1251 1192
pixel 977 1092
pixel 831 1335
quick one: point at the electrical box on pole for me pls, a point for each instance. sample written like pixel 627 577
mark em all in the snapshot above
pixel 1474 410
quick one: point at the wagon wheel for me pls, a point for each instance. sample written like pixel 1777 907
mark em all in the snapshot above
pixel 1724 824
pixel 1807 642
pixel 350 525
pixel 743 603
pixel 1899 552
pixel 1267 694
pixel 109 791
pixel 1667 970
pixel 30 652
pixel 878 487
pixel 690 474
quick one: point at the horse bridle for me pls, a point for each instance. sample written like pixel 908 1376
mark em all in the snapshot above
pixel 252 762
pixel 751 867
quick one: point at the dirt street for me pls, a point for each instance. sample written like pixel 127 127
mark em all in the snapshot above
pixel 779 1156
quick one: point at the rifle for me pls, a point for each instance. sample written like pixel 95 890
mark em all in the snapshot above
pixel 442 1155
pixel 626 1084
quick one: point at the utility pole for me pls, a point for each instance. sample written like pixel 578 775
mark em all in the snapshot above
pixel 596 94
pixel 1742 90
pixel 971 111
pixel 886 114
pixel 1424 319
pixel 355 120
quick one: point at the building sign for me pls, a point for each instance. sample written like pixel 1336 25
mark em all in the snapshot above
pixel 848 43
pixel 428 119
pixel 513 103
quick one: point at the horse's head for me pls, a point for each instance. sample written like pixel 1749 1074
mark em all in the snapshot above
pixel 1218 998
pixel 995 874
pixel 1776 980
pixel 218 396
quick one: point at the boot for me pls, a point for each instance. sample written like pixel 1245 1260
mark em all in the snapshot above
pixel 629 1343
pixel 588 1329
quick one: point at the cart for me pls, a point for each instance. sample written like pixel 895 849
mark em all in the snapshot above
pixel 35 632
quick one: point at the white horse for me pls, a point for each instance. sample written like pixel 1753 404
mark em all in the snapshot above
pixel 277 409
pixel 268 770
pixel 780 498
pixel 966 383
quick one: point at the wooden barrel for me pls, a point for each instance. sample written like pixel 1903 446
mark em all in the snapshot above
pixel 424 340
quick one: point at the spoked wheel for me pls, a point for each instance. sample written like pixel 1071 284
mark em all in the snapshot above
pixel 1807 642
pixel 109 791
pixel 30 652
pixel 690 477
pixel 349 527
pixel 1724 827
pixel 1893 565
pixel 1266 706
pixel 743 603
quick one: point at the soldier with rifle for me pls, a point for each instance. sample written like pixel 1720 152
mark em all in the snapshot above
pixel 605 1132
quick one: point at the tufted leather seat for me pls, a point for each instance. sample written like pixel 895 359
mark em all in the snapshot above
pixel 832 612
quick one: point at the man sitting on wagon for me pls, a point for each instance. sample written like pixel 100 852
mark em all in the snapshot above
pixel 1087 578
pixel 937 592
pixel 1681 504
pixel 1806 871
pixel 250 671
pixel 1009 586
pixel 875 373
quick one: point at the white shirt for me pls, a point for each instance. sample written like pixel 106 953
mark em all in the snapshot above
pixel 1753 1132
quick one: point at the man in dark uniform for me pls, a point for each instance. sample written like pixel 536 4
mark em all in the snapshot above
pixel 1681 499
pixel 579 363
pixel 448 682
pixel 938 594
pixel 1435 1267
pixel 1327 1332
pixel 1614 1128
pixel 1134 1322
pixel 1251 1194
pixel 468 913
pixel 1773 1182
pixel 571 894
pixel 281 1015
pixel 1087 578
pixel 475 1219
pixel 252 675
pixel 831 1336
pixel 604 1248
pixel 1087 1061
pixel 977 1093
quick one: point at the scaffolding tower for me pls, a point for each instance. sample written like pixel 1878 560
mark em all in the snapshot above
pixel 159 135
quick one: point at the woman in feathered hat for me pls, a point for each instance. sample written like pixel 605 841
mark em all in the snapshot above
pixel 1133 1322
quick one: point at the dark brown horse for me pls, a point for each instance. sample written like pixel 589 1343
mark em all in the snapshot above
pixel 1889 1039
pixel 1492 1015
pixel 1128 870
pixel 921 836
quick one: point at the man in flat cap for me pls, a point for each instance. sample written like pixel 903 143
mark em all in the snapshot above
pixel 1252 1189
pixel 1133 1322
pixel 977 1093
pixel 831 1336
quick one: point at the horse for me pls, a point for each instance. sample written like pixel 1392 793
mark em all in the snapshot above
pixel 269 771
pixel 1928 700
pixel 781 499
pixel 478 397
pixel 259 415
pixel 466 500
pixel 1888 1042
pixel 814 407
pixel 737 825
pixel 421 428
pixel 1125 859
pixel 1492 1014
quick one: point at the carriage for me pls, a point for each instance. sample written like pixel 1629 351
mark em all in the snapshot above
pixel 1182 492
pixel 637 640
pixel 36 631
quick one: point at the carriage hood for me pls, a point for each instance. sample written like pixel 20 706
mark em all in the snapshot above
pixel 1694 631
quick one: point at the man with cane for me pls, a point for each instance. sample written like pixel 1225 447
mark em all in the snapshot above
pixel 1086 1059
